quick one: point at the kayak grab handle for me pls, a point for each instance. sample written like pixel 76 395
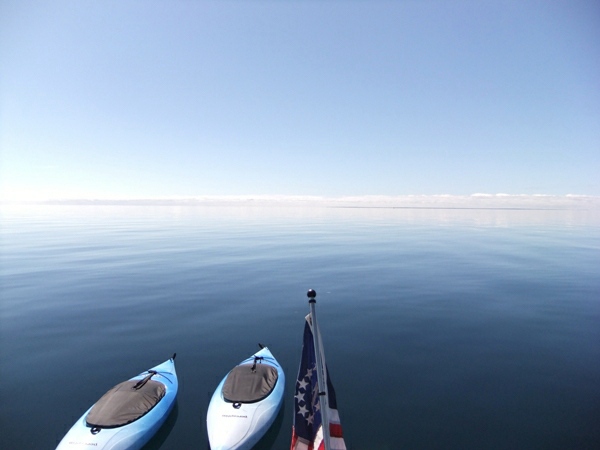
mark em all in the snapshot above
pixel 256 358
pixel 142 382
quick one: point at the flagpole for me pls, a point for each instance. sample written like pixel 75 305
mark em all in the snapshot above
pixel 321 377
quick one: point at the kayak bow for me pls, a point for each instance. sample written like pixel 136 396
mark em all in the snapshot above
pixel 128 415
pixel 246 402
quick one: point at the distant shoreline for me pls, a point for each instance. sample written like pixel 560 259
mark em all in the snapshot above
pixel 470 202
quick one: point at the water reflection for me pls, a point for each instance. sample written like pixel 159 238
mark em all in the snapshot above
pixel 63 217
pixel 484 317
pixel 163 433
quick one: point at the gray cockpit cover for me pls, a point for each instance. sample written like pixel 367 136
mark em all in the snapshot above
pixel 123 404
pixel 246 386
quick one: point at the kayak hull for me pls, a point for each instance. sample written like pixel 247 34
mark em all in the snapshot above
pixel 239 426
pixel 132 436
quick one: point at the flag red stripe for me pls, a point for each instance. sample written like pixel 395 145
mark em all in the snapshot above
pixel 335 430
pixel 294 439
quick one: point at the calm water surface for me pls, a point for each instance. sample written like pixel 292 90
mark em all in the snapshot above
pixel 461 329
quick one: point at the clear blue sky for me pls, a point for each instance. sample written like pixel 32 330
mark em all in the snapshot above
pixel 332 98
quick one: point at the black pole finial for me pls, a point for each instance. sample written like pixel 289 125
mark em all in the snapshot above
pixel 311 294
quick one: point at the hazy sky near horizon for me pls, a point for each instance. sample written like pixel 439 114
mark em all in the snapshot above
pixel 185 98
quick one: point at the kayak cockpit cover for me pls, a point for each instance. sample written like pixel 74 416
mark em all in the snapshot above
pixel 245 385
pixel 124 404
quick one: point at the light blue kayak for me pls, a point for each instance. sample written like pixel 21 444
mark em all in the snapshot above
pixel 246 403
pixel 129 414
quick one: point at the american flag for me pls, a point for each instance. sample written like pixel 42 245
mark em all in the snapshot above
pixel 307 432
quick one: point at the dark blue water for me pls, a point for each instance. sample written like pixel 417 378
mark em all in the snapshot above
pixel 443 329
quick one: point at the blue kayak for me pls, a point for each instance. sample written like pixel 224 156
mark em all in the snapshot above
pixel 129 414
pixel 245 403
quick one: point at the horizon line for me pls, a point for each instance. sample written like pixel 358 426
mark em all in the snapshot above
pixel 480 200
